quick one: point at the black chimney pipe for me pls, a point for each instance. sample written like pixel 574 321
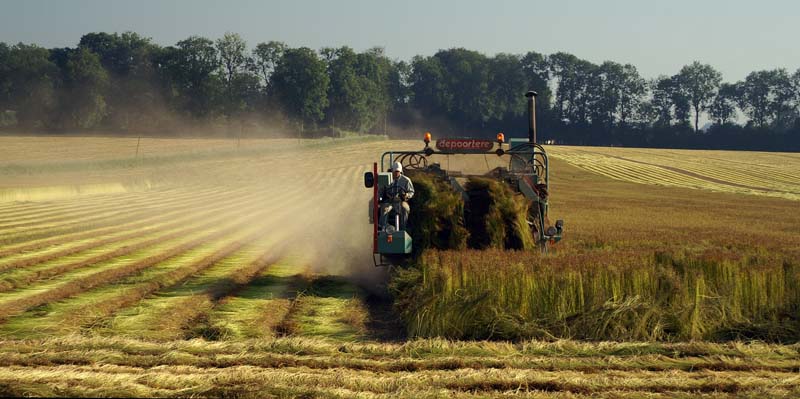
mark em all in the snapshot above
pixel 531 116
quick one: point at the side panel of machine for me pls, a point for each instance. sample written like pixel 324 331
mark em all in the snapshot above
pixel 397 242
pixel 383 180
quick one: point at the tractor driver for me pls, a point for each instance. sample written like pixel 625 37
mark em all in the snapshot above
pixel 401 190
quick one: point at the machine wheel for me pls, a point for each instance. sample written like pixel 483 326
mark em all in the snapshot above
pixel 534 215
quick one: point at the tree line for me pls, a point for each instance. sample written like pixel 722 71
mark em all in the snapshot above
pixel 126 83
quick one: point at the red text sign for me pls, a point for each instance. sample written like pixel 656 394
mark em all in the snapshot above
pixel 464 145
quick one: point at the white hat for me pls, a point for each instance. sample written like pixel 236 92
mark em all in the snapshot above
pixel 397 166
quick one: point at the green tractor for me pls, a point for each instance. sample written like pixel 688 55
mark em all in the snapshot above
pixel 522 164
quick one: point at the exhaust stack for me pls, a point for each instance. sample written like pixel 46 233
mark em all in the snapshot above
pixel 531 115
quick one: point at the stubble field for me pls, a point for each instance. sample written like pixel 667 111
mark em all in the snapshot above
pixel 241 269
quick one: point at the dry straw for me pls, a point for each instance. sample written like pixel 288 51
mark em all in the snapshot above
pixel 619 296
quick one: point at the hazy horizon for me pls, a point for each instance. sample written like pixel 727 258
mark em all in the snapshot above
pixel 735 37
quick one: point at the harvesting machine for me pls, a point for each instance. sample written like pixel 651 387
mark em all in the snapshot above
pixel 522 165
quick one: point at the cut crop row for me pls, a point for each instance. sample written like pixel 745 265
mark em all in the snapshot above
pixel 72 287
pixel 78 232
pixel 679 170
pixel 256 310
pixel 14 211
pixel 73 245
pixel 168 315
pixel 154 224
pixel 101 218
pixel 134 222
pixel 115 381
pixel 122 203
pixel 128 296
pixel 180 228
pixel 175 229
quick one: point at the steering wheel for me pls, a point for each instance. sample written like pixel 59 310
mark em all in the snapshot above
pixel 398 195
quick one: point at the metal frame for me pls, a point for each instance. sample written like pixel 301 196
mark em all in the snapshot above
pixel 532 154
pixel 517 150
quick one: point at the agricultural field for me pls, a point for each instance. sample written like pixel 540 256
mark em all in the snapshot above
pixel 759 173
pixel 219 268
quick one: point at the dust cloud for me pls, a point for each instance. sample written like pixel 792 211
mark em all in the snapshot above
pixel 300 199
pixel 283 197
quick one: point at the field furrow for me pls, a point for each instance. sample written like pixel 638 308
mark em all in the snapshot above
pixel 89 308
pixel 121 203
pixel 256 310
pixel 43 246
pixel 719 177
pixel 707 161
pixel 99 219
pixel 86 278
pixel 331 308
pixel 287 199
pixel 753 173
pixel 156 224
pixel 13 211
pixel 169 314
pixel 18 243
pixel 197 222
pixel 248 274
pixel 291 381
pixel 420 354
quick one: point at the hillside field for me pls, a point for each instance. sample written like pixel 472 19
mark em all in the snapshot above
pixel 226 268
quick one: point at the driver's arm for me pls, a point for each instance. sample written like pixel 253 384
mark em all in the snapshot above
pixel 409 189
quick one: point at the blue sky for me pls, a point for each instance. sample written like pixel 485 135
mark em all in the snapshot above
pixel 658 37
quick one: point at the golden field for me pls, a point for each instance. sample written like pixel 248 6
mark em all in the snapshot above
pixel 216 268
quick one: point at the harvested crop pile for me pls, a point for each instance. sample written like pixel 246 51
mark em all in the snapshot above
pixel 496 294
pixel 496 216
pixel 436 218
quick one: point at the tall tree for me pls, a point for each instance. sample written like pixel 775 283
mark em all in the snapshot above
pixel 537 71
pixel 374 68
pixel 536 68
pixel 301 84
pixel 680 101
pixel 132 93
pixel 346 93
pixel 507 82
pixel 466 77
pixel 238 76
pixel 85 82
pixel 562 68
pixel 189 71
pixel 359 88
pixel 430 93
pixel 399 90
pixel 723 109
pixel 795 99
pixel 605 91
pixel 764 95
pixel 120 54
pixel 231 48
pixel 700 83
pixel 573 78
pixel 667 103
pixel 30 79
pixel 5 71
pixel 265 57
pixel 632 89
